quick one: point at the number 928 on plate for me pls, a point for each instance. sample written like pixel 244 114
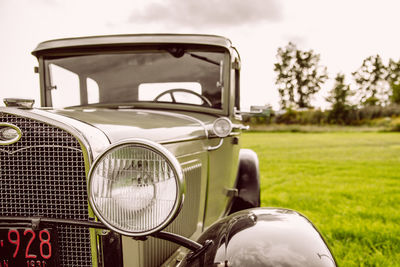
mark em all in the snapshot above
pixel 25 247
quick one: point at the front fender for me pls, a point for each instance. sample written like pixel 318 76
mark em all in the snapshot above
pixel 247 182
pixel 263 237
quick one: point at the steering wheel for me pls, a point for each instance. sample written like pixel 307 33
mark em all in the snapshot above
pixel 181 90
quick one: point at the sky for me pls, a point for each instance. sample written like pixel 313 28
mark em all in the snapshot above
pixel 343 32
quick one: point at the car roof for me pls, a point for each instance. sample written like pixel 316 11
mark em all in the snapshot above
pixel 131 39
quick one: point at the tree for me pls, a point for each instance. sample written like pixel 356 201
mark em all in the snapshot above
pixel 394 80
pixel 299 76
pixel 339 98
pixel 371 79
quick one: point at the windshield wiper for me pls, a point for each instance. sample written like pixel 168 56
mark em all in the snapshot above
pixel 205 59
pixel 178 52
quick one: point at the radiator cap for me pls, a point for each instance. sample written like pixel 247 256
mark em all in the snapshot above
pixel 19 102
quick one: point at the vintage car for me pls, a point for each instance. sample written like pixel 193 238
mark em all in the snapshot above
pixel 134 159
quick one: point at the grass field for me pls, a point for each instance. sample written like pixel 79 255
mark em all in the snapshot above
pixel 347 184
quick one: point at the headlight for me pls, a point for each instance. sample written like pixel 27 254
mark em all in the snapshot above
pixel 222 127
pixel 136 187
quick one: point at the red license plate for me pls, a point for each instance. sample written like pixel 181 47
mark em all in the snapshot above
pixel 20 247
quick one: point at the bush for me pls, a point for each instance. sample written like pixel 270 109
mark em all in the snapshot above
pixel 303 117
pixel 394 124
pixel 391 110
pixel 369 115
pixel 366 114
pixel 315 117
pixel 395 128
pixel 289 116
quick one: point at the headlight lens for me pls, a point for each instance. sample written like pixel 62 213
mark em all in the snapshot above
pixel 222 127
pixel 136 187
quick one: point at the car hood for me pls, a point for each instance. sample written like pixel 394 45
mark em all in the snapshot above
pixel 158 126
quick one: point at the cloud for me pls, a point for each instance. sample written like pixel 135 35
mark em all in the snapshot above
pixel 209 13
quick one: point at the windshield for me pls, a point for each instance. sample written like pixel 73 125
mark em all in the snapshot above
pixel 173 77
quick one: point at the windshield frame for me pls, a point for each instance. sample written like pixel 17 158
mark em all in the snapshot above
pixel 72 52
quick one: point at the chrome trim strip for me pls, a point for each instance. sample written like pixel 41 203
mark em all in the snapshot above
pixel 11 221
pixel 182 140
pixel 28 147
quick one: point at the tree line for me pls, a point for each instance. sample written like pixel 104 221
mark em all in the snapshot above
pixel 300 76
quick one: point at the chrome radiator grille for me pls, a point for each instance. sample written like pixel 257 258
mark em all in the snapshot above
pixel 43 174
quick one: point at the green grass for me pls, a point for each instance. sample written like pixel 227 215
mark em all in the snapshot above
pixel 346 183
pixel 298 128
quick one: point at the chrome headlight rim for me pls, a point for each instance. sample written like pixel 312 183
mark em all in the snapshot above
pixel 168 156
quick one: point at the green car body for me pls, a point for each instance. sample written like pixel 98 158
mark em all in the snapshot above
pixel 174 96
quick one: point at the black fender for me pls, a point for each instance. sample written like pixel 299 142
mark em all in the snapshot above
pixel 263 237
pixel 247 182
